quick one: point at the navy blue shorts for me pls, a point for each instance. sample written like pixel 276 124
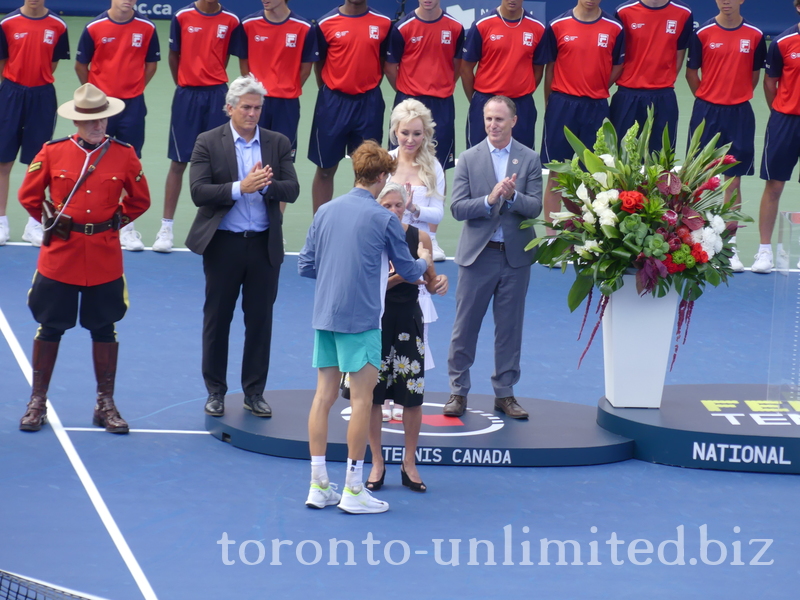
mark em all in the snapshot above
pixel 342 122
pixel 282 115
pixel 735 124
pixel 27 119
pixel 194 110
pixel 629 106
pixel 128 126
pixel 781 146
pixel 582 115
pixel 524 130
pixel 444 115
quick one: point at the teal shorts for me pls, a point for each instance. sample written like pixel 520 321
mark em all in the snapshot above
pixel 348 351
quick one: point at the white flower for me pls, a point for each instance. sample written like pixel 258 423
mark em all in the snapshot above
pixel 401 365
pixel 588 217
pixel 601 178
pixel 420 346
pixel 608 159
pixel 716 222
pixel 607 217
pixel 697 236
pixel 558 217
pixel 582 193
pixel 709 239
pixel 416 385
pixel 403 337
pixel 589 248
pixel 414 367
pixel 346 381
pixel 603 199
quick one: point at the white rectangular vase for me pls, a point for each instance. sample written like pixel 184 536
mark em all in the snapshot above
pixel 637 339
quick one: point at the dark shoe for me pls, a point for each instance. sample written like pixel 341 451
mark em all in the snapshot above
pixel 257 405
pixel 215 405
pixel 374 486
pixel 510 407
pixel 35 416
pixel 414 486
pixel 44 359
pixel 106 414
pixel 455 406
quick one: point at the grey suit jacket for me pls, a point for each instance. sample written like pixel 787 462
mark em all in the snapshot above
pixel 474 180
pixel 211 176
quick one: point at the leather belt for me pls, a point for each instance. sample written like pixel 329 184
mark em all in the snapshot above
pixel 497 246
pixel 92 228
pixel 244 234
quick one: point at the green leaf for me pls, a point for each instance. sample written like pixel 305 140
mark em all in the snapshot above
pixel 611 232
pixel 579 290
pixel 575 142
pixel 594 164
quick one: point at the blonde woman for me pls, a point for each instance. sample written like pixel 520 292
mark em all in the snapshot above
pixel 411 127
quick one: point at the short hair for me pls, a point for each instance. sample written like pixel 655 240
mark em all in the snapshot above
pixel 370 160
pixel 241 86
pixel 510 103
pixel 390 188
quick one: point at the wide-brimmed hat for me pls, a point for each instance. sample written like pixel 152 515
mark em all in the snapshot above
pixel 89 103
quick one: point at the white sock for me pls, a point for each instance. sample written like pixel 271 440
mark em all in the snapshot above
pixel 433 236
pixel 32 221
pixel 128 227
pixel 167 223
pixel 4 220
pixel 355 475
pixel 319 471
pixel 767 247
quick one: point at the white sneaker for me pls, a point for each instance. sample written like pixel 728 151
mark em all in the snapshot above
pixel 386 411
pixel 763 262
pixel 130 239
pixel 362 503
pixel 4 233
pixel 736 263
pixel 163 241
pixel 33 233
pixel 397 413
pixel 321 497
pixel 438 253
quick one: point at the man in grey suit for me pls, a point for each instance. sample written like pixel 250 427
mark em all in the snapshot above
pixel 498 184
pixel 239 175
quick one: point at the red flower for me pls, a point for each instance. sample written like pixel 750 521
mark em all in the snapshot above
pixel 685 234
pixel 671 266
pixel 699 254
pixel 710 185
pixel 631 201
pixel 728 159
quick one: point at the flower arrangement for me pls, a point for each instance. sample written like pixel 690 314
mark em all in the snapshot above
pixel 632 211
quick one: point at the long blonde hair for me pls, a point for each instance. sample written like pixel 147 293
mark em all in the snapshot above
pixel 406 111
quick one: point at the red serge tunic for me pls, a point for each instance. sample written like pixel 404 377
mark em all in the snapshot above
pixel 85 260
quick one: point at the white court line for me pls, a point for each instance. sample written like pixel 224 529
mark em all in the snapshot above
pixel 83 474
pixel 98 429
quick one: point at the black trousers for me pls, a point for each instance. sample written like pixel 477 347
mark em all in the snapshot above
pixel 233 262
pixel 57 306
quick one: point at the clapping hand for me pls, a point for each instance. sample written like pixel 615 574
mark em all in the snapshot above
pixel 257 179
pixel 504 189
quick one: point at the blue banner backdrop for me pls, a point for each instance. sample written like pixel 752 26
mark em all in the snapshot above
pixel 772 16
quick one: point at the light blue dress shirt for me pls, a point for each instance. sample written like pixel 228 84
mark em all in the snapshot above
pixel 249 212
pixel 343 252
pixel 500 164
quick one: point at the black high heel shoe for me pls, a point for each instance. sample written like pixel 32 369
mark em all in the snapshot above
pixel 374 486
pixel 407 481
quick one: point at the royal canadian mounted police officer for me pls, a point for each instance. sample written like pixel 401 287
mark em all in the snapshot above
pixel 96 186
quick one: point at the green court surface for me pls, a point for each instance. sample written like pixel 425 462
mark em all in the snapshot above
pixel 298 217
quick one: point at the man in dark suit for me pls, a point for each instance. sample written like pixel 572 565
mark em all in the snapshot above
pixel 239 175
pixel 497 185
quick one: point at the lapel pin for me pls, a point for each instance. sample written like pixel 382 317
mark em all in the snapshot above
pixel 515 161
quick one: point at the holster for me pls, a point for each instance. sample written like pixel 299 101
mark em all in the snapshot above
pixel 62 227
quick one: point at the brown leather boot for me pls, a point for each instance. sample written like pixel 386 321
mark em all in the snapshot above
pixel 105 369
pixel 44 359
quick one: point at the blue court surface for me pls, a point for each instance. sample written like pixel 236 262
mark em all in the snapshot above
pixel 170 512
